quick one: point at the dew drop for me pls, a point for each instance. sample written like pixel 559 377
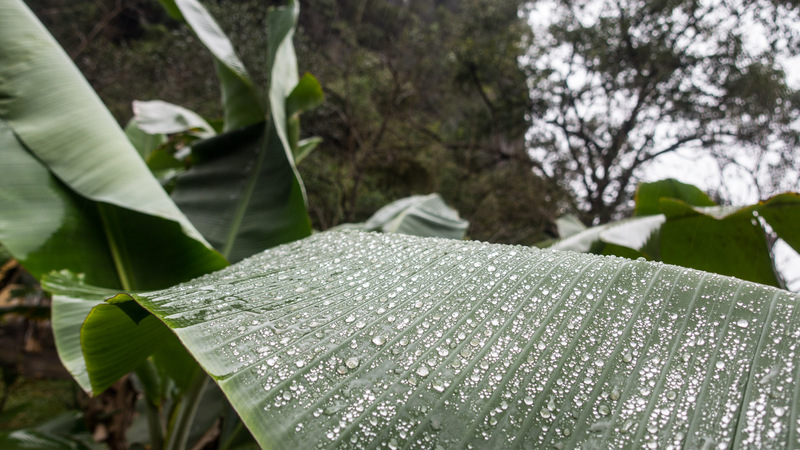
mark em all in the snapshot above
pixel 422 371
pixel 604 410
pixel 351 362
pixel 528 400
pixel 378 340
pixel 720 365
pixel 541 346
pixel 742 323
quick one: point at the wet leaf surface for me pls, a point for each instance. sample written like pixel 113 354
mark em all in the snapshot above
pixel 349 339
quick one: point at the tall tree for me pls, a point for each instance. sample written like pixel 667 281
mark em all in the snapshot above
pixel 617 84
pixel 423 96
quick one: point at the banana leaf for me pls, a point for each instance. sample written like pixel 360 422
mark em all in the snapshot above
pixel 243 191
pixel 350 339
pixel 648 196
pixel 689 230
pixel 75 194
pixel 418 215
pixel 157 117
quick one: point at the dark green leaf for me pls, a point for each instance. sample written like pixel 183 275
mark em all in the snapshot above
pixel 782 213
pixel 649 194
pixel 124 343
pixel 728 241
pixel 242 193
pixel 306 95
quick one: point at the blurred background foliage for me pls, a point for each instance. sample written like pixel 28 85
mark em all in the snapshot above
pixel 420 97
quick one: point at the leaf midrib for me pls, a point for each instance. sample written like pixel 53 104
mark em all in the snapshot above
pixel 247 193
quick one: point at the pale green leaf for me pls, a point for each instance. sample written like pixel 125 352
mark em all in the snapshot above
pixel 305 147
pixel 632 232
pixel 160 117
pixel 72 302
pixel 75 194
pixel 350 339
pixel 568 225
pixel 418 215
pixel 56 115
pixel 144 142
pixel 283 72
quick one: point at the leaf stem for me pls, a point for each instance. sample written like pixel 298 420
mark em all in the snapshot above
pixel 182 425
pixel 151 385
pixel 116 253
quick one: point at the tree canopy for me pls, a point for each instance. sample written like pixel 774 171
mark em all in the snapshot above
pixel 617 84
pixel 422 97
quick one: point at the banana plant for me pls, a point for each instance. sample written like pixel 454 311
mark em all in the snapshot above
pixel 353 339
pixel 242 190
pixel 77 197
pixel 677 223
pixel 369 340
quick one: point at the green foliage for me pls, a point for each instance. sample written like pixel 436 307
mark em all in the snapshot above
pixel 83 201
pixel 423 97
pixel 241 188
pixel 418 215
pixel 354 339
pixel 110 220
pixel 678 224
